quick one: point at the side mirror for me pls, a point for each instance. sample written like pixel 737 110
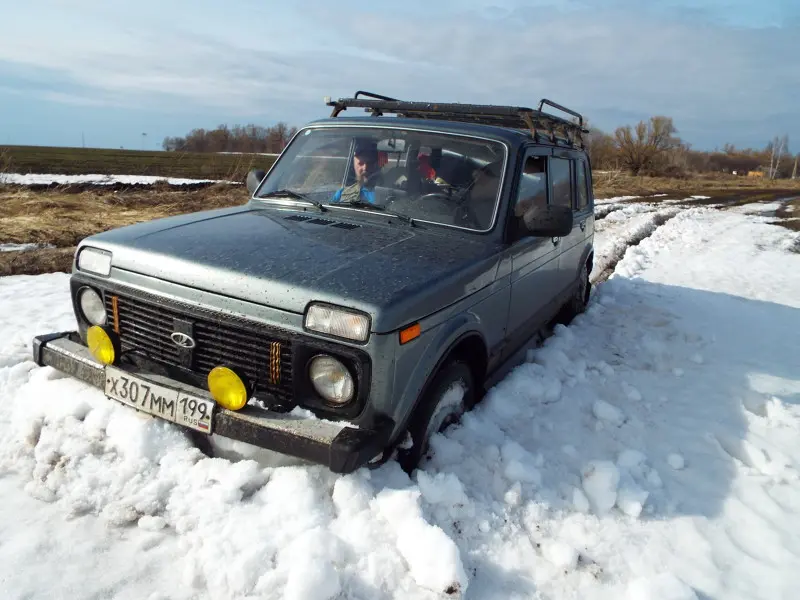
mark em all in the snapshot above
pixel 254 178
pixel 548 221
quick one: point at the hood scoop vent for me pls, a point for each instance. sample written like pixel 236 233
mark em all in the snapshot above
pixel 321 221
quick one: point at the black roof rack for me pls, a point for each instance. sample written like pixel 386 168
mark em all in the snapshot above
pixel 539 123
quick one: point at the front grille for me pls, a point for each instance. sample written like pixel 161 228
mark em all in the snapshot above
pixel 145 325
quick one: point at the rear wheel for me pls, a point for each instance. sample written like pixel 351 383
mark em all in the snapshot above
pixel 450 394
pixel 578 301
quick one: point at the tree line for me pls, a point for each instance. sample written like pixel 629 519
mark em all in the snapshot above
pixel 239 138
pixel 653 147
pixel 650 147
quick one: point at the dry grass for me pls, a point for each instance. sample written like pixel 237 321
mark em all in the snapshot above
pixel 34 262
pixel 108 161
pixel 62 218
pixel 614 183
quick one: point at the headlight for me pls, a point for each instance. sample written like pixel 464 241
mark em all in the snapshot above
pixel 92 306
pixel 95 261
pixel 338 322
pixel 331 379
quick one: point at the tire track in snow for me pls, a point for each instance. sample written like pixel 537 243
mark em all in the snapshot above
pixel 615 243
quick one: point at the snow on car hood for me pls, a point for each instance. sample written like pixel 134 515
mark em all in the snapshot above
pixel 286 259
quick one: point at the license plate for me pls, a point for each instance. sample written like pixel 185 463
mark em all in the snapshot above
pixel 167 403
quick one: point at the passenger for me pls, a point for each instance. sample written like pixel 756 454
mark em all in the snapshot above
pixel 426 168
pixel 367 170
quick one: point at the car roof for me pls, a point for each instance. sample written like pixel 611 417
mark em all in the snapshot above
pixel 493 132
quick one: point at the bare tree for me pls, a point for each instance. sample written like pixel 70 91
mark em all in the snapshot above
pixel 602 152
pixel 777 147
pixel 640 147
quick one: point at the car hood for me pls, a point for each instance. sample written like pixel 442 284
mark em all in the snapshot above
pixel 286 259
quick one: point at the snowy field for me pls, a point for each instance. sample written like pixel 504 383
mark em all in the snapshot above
pixel 49 179
pixel 649 451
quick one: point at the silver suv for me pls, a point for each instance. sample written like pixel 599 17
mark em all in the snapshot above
pixel 365 295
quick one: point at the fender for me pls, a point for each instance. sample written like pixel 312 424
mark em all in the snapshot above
pixel 440 342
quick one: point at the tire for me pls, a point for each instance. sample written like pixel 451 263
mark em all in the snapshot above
pixel 577 303
pixel 432 416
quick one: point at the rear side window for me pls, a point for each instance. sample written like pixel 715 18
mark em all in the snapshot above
pixel 583 185
pixel 562 181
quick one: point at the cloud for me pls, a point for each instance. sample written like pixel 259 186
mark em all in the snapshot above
pixel 617 65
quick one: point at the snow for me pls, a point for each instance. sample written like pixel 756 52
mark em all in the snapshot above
pixel 614 199
pixel 647 451
pixel 23 247
pixel 622 228
pixel 49 178
pixel 757 208
pixel 608 413
pixel 600 480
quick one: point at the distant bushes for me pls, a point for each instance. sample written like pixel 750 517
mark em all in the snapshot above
pixel 652 148
pixel 247 139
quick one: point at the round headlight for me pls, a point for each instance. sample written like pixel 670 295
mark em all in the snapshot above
pixel 331 379
pixel 92 306
pixel 103 344
pixel 227 388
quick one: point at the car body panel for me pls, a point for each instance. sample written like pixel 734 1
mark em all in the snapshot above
pixel 262 256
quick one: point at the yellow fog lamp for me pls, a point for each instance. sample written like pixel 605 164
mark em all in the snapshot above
pixel 103 344
pixel 228 388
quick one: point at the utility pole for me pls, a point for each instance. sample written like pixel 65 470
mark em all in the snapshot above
pixel 83 140
pixel 144 136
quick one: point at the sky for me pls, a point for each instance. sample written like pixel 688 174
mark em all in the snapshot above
pixel 113 74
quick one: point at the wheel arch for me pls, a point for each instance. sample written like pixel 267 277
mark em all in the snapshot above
pixel 469 346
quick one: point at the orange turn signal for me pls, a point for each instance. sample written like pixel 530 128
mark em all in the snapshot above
pixel 410 333
pixel 115 312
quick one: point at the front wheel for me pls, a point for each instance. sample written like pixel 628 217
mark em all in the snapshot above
pixel 450 393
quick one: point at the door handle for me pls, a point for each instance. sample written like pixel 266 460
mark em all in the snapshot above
pixel 583 225
pixel 555 241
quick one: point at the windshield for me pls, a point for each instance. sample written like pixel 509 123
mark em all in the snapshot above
pixel 433 177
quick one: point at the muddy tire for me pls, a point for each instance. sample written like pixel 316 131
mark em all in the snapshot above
pixel 577 303
pixel 438 410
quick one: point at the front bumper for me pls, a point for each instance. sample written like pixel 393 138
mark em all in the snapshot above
pixel 340 447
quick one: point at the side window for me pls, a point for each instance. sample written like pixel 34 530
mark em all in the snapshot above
pixel 583 188
pixel 532 189
pixel 561 177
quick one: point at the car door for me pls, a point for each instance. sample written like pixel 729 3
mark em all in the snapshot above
pixel 563 173
pixel 534 260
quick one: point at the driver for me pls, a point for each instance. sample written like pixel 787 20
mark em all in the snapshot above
pixel 367 169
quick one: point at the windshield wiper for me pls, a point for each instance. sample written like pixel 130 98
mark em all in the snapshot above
pixel 376 208
pixel 296 196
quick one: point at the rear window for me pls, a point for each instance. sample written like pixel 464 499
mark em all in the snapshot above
pixel 583 185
